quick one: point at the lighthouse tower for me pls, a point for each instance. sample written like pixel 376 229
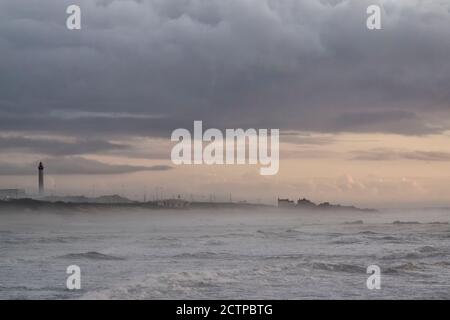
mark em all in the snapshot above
pixel 41 179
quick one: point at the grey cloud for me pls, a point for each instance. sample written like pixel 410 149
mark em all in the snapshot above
pixel 388 154
pixel 307 154
pixel 387 121
pixel 427 156
pixel 76 166
pixel 50 146
pixel 68 114
pixel 305 139
pixel 295 65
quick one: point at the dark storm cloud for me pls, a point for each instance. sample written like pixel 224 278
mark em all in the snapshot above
pixel 75 165
pixel 148 67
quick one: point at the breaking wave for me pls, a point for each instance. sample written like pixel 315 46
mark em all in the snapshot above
pixel 91 255
pixel 402 268
pixel 368 232
pixel 185 284
pixel 405 222
pixel 336 267
pixel 354 222
pixel 419 253
pixel 204 255
pixel 214 242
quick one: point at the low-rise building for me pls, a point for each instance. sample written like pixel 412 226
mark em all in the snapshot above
pixel 305 203
pixel 173 203
pixel 285 203
pixel 6 194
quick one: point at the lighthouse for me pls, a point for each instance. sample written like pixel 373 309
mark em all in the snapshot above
pixel 41 179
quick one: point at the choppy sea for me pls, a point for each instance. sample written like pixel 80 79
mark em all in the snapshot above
pixel 201 254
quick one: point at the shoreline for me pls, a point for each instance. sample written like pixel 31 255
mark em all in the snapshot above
pixel 38 205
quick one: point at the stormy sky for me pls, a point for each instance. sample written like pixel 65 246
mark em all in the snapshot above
pixel 140 69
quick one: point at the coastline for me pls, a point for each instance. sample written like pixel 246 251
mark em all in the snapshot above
pixel 40 205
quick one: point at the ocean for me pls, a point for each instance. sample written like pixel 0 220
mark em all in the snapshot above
pixel 225 254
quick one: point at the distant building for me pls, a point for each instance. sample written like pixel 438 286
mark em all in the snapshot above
pixel 305 203
pixel 301 203
pixel 285 203
pixel 173 203
pixel 113 199
pixel 327 205
pixel 41 180
pixel 6 194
